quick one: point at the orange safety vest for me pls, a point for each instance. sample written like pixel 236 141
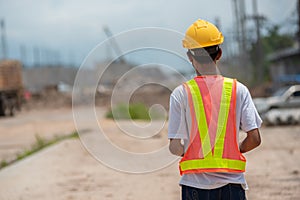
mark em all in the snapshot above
pixel 213 145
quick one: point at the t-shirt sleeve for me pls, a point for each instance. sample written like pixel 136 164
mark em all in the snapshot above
pixel 250 118
pixel 177 128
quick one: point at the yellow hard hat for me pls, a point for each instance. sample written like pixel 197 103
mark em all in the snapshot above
pixel 202 34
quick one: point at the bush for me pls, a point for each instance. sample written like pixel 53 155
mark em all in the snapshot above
pixel 131 111
pixel 3 164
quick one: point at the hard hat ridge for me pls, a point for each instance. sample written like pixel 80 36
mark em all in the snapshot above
pixel 202 34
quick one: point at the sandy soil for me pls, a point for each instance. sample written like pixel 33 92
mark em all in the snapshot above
pixel 68 171
pixel 274 168
pixel 19 133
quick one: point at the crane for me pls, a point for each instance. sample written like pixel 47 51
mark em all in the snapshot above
pixel 114 44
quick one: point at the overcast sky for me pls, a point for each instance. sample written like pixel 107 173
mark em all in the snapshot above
pixel 74 27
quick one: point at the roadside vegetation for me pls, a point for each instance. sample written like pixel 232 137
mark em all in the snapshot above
pixel 135 111
pixel 40 143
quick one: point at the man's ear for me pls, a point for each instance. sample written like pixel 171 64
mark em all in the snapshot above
pixel 219 54
pixel 190 56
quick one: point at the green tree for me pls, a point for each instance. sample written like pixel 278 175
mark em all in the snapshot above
pixel 272 42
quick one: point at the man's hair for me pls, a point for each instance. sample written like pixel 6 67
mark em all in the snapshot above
pixel 206 54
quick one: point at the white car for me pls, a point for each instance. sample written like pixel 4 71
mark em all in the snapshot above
pixel 287 97
pixel 282 116
pixel 283 107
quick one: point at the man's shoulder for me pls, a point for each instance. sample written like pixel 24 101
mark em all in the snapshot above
pixel 241 87
pixel 242 91
pixel 178 94
pixel 179 90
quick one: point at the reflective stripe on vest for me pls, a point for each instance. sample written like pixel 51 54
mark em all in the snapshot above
pixel 212 160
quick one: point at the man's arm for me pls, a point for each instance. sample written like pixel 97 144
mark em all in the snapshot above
pixel 176 147
pixel 251 141
pixel 177 130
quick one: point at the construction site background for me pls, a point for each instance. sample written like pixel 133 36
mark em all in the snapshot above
pixel 256 52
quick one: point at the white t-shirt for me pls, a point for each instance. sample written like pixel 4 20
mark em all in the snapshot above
pixel 247 119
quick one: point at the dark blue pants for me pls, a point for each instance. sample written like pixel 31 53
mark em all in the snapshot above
pixel 227 192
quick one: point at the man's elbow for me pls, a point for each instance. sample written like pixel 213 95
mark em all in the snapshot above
pixel 171 149
pixel 258 141
pixel 175 147
pixel 255 137
pixel 252 141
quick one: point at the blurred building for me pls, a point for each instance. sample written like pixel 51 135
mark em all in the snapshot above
pixel 285 67
pixel 285 64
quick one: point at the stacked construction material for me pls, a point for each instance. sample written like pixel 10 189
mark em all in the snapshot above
pixel 10 75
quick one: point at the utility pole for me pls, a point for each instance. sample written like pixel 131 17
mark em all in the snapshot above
pixel 244 57
pixel 36 57
pixel 23 55
pixel 71 58
pixel 298 34
pixel 237 24
pixel 3 39
pixel 218 23
pixel 240 21
pixel 242 17
pixel 259 68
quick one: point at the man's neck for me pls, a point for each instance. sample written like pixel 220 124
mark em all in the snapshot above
pixel 206 69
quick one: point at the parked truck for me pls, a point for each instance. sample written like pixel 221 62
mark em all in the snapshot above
pixel 11 87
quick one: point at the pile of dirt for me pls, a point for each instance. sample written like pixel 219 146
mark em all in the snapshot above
pixel 147 85
pixel 148 95
pixel 50 97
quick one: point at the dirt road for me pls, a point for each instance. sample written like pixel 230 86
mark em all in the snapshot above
pixel 67 171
